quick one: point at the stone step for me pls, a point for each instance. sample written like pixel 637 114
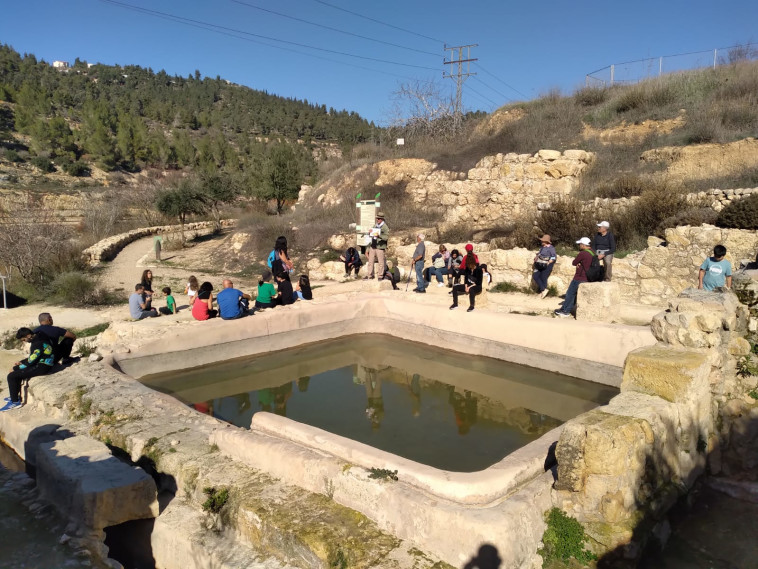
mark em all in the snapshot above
pixel 90 486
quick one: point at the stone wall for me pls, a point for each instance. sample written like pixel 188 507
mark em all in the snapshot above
pixel 621 467
pixel 107 248
pixel 650 277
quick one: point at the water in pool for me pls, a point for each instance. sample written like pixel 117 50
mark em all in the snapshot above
pixel 439 407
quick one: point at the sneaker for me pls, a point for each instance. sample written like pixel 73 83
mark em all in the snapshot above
pixel 560 314
pixel 543 294
pixel 470 309
pixel 346 276
pixel 439 285
pixel 422 290
pixel 6 399
pixel 11 405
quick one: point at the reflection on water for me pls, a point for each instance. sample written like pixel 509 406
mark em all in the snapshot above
pixel 444 409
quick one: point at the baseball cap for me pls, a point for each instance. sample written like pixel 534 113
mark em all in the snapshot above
pixel 603 224
pixel 584 241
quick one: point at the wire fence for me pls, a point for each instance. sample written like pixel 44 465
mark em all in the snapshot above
pixel 641 69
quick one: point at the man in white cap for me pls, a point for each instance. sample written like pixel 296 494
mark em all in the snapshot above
pixel 379 235
pixel 582 263
pixel 604 246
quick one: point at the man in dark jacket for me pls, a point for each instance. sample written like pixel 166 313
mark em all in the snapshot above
pixel 582 264
pixel 61 339
pixel 40 361
pixel 605 246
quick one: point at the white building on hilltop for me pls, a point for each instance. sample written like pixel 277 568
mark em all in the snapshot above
pixel 61 64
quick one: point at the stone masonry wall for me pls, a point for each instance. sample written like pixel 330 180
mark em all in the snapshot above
pixel 650 277
pixel 622 466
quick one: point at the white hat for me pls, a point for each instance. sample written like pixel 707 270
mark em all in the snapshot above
pixel 584 241
pixel 603 224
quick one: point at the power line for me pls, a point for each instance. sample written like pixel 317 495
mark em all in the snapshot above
pixel 503 82
pixel 377 21
pixel 493 89
pixel 230 31
pixel 493 103
pixel 331 28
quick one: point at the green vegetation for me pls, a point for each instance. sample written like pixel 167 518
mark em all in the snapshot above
pixel 564 539
pixel 508 287
pixel 740 214
pixel 86 348
pixel 79 405
pixel 90 331
pixel 753 393
pixel 383 474
pixel 217 499
pixel 747 366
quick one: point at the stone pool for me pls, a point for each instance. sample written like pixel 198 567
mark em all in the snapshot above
pixel 438 407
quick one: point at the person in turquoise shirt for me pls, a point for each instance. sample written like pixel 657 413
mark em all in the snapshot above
pixel 715 271
pixel 266 292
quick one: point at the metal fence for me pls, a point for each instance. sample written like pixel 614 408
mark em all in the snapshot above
pixel 641 69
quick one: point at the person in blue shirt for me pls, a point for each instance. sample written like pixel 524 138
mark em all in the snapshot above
pixel 232 303
pixel 715 271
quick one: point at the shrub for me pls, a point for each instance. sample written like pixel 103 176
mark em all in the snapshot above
pixel 217 499
pixel 13 156
pixel 564 539
pixel 591 96
pixel 625 186
pixel 741 214
pixel 690 216
pixel 77 168
pixel 43 163
pixel 78 289
pixel 566 221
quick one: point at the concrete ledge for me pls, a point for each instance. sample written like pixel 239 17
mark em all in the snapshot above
pixel 473 488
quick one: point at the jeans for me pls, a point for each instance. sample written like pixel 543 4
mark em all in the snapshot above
pixel 541 275
pixel 18 375
pixel 569 303
pixel 438 272
pixel 420 283
pixel 354 267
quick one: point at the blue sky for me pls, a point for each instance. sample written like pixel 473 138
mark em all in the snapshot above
pixel 525 48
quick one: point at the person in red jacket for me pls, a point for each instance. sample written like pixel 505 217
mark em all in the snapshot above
pixel 582 264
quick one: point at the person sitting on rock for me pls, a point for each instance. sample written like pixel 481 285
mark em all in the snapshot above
pixel 352 260
pixel 40 361
pixel 232 303
pixel 303 288
pixel 202 308
pixel 716 271
pixel 440 261
pixel 285 294
pixel 170 307
pixel 61 339
pixel 454 267
pixel 392 274
pixel 472 283
pixel 604 246
pixel 266 292
pixel 147 288
pixel 582 263
pixel 139 307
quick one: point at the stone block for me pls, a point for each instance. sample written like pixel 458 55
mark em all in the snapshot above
pixel 675 375
pixel 598 302
pixel 549 154
pixel 87 484
pixel 576 155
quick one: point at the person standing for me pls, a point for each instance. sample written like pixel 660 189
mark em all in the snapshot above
pixel 61 339
pixel 232 303
pixel 605 247
pixel 544 261
pixel 715 271
pixel 40 361
pixel 582 263
pixel 379 235
pixel 418 263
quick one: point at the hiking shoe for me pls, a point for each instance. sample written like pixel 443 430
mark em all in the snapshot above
pixel 544 293
pixel 470 309
pixel 453 307
pixel 11 405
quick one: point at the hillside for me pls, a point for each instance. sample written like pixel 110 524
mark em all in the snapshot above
pixel 129 118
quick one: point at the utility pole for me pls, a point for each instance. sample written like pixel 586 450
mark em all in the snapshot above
pixel 458 74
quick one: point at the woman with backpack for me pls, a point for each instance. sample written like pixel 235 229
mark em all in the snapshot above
pixel 278 260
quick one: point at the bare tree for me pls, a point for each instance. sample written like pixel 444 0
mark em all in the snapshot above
pixel 424 109
pixel 33 240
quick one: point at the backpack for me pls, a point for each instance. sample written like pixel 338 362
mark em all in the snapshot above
pixel 271 259
pixel 596 272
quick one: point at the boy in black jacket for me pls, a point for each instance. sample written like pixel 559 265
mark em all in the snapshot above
pixel 40 361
